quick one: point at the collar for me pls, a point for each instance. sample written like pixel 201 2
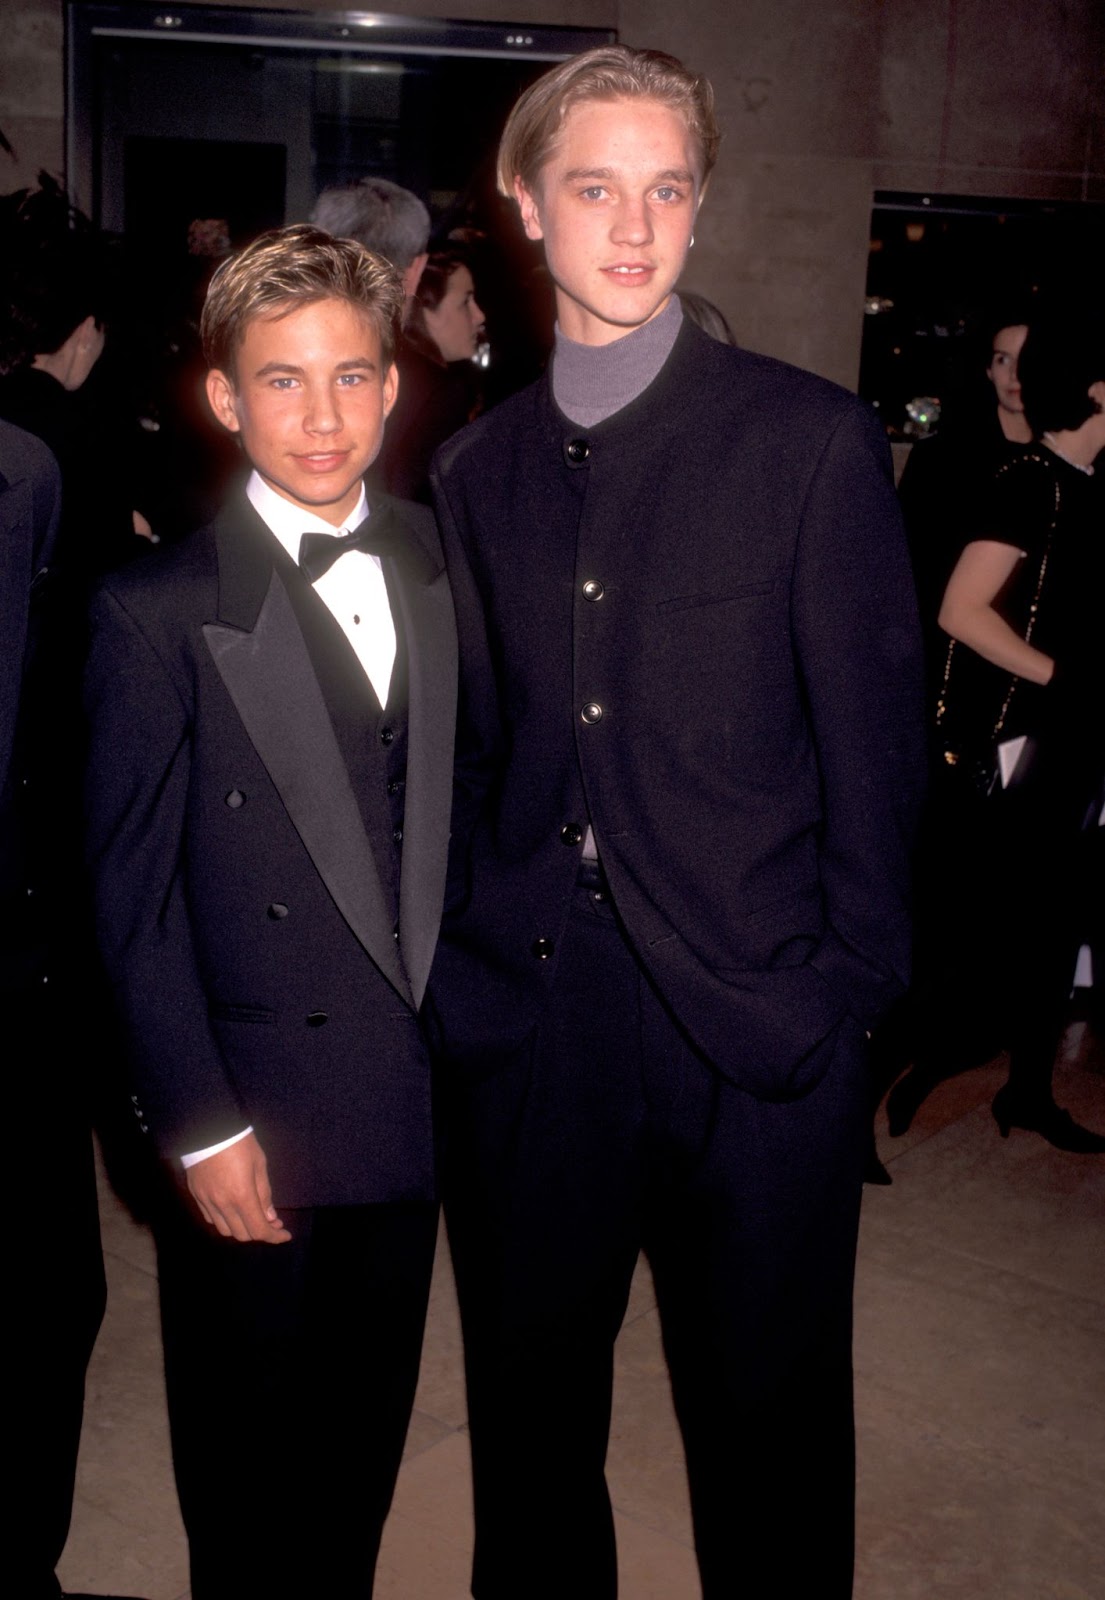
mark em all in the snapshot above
pixel 286 521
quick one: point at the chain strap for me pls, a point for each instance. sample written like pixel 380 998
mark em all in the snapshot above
pixel 951 757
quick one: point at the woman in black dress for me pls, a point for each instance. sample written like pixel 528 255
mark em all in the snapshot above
pixel 1024 716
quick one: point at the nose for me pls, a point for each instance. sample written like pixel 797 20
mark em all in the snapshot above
pixel 476 315
pixel 323 414
pixel 632 223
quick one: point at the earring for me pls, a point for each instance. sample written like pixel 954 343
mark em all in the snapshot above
pixel 691 245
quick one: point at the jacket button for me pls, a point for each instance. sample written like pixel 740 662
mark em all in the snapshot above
pixel 576 452
pixel 592 712
pixel 393 786
pixel 397 835
pixel 387 735
pixel 593 589
pixel 235 799
pixel 571 833
pixel 315 1019
pixel 542 949
pixel 277 912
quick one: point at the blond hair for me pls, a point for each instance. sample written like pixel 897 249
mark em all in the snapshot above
pixel 291 267
pixel 610 72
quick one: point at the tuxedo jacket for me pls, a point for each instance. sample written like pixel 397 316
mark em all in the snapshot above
pixel 268 949
pixel 694 627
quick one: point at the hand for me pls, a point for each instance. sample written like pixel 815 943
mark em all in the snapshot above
pixel 233 1194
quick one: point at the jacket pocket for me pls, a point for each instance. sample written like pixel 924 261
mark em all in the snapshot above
pixel 218 1011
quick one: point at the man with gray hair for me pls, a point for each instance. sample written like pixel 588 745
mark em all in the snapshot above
pixel 383 217
pixel 392 221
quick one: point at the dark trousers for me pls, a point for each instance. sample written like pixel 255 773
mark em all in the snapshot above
pixel 291 1372
pixel 56 1294
pixel 607 1135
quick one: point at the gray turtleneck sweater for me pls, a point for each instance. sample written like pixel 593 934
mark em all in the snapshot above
pixel 592 382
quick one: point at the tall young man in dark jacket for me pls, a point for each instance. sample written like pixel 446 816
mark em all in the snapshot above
pixel 690 770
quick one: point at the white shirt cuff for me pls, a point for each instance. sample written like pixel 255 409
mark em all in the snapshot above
pixel 213 1149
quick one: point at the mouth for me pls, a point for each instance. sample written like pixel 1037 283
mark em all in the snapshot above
pixel 320 462
pixel 630 271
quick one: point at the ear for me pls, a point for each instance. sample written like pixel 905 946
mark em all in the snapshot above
pixel 413 275
pixel 391 388
pixel 527 205
pixel 1096 392
pixel 221 398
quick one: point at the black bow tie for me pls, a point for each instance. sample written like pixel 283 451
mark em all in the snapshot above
pixel 376 536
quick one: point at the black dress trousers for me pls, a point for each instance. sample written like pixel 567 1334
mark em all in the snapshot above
pixel 291 1372
pixel 607 1134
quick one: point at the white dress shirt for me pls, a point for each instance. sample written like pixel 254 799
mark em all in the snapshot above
pixel 356 594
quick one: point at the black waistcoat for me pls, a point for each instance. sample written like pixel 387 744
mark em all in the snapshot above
pixel 372 739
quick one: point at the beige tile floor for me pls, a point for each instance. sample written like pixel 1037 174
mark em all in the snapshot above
pixel 980 1358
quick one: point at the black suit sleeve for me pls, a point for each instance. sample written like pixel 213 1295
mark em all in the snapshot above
pixel 858 648
pixel 139 766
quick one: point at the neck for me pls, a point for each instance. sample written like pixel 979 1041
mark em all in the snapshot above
pixel 1014 425
pixel 592 382
pixel 1079 446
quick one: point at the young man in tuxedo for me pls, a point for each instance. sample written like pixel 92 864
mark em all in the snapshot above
pixel 690 767
pixel 271 713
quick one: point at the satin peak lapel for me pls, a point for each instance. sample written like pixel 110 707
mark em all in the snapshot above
pixel 430 627
pixel 269 677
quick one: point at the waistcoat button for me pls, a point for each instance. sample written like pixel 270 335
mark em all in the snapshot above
pixel 571 833
pixel 542 949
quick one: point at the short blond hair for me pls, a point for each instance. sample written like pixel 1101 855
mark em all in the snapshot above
pixel 609 72
pixel 291 267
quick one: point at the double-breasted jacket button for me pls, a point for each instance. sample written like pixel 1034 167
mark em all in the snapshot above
pixel 592 712
pixel 277 911
pixel 593 589
pixel 315 1019
pixel 235 799
pixel 387 735
pixel 571 833
pixel 576 452
pixel 542 949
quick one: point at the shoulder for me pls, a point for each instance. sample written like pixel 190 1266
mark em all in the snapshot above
pixel 741 384
pixel 418 520
pixel 170 582
pixel 23 457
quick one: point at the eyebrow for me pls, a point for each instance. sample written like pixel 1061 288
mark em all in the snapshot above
pixel 672 175
pixel 290 369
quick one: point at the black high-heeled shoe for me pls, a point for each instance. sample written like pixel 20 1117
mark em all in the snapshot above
pixel 1047 1119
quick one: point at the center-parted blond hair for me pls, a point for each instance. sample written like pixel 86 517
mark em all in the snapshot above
pixel 291 267
pixel 609 72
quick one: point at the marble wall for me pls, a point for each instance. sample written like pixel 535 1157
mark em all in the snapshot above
pixel 823 101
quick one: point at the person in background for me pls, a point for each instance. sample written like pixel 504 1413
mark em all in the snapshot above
pixel 445 313
pixel 57 286
pixel 55 1271
pixel 1025 600
pixel 710 318
pixel 945 476
pixel 943 490
pixel 393 222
